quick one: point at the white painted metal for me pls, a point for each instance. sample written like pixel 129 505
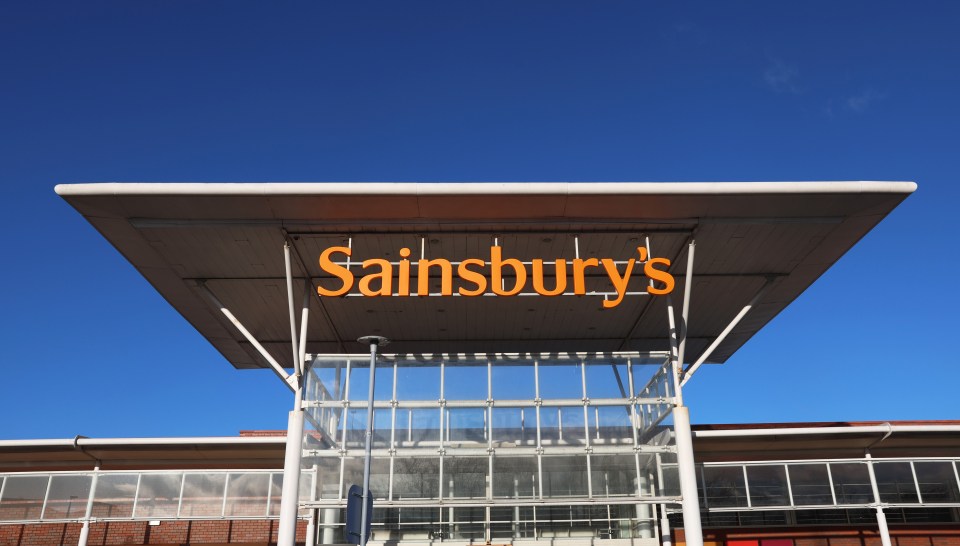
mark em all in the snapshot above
pixel 881 517
pixel 692 530
pixel 291 477
pixel 726 331
pixel 481 188
pixel 685 312
pixel 277 368
pixel 295 345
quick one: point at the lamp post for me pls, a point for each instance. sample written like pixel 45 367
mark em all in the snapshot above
pixel 374 342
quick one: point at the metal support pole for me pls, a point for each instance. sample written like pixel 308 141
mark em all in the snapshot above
pixel 688 477
pixel 684 438
pixel 685 313
pixel 277 368
pixel 374 341
pixel 726 331
pixel 881 517
pixel 290 491
pixel 85 530
pixel 293 317
pixel 666 536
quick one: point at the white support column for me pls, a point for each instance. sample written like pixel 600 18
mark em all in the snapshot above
pixel 85 530
pixel 881 517
pixel 692 531
pixel 666 535
pixel 330 521
pixel 290 492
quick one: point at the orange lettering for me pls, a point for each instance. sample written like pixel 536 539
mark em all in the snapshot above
pixel 474 277
pixel 658 275
pixel 560 274
pixel 496 274
pixel 579 266
pixel 423 276
pixel 619 283
pixel 385 276
pixel 342 273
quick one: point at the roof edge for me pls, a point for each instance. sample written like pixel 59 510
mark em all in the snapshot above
pixel 479 188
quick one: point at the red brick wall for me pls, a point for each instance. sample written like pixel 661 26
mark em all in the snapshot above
pixel 116 533
pixel 946 535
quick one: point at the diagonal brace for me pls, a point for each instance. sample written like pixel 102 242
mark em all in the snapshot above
pixel 289 381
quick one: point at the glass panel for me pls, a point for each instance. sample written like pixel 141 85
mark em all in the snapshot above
pixel 605 381
pixel 465 382
pixel 418 383
pixel 68 497
pixel 356 431
pixel 564 476
pixel 360 382
pixel 724 486
pixel 467 425
pixel 561 381
pixel 851 483
pixel 611 425
pixel 159 495
pixel 614 475
pixel 467 524
pixel 202 494
pixel 562 425
pixel 247 494
pixel 465 477
pixel 276 493
pixel 513 382
pixel 416 477
pixel 515 477
pixel 114 496
pixel 768 485
pixel 810 484
pixel 418 427
pixel 328 476
pixel 23 497
pixel 895 482
pixel 379 475
pixel 937 481
pixel 671 474
pixel 516 425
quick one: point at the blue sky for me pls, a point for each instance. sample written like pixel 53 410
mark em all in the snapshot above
pixel 490 91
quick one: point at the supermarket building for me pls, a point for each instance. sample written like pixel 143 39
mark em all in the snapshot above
pixel 532 390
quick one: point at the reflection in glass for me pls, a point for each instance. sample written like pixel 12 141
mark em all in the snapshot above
pixel 768 485
pixel 416 478
pixel 202 495
pixel 465 477
pixel 247 494
pixel 158 496
pixel 68 497
pixel 23 497
pixel 514 477
pixel 851 483
pixel 938 483
pixel 895 482
pixel 724 486
pixel 614 475
pixel 114 496
pixel 810 484
pixel 564 475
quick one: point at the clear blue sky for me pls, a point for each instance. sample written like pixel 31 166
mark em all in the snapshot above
pixel 490 91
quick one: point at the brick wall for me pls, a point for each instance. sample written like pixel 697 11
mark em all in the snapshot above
pixel 945 535
pixel 124 533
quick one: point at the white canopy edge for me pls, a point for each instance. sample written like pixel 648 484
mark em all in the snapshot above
pixel 482 188
pixel 112 442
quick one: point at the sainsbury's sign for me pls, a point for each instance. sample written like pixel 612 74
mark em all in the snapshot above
pixel 495 275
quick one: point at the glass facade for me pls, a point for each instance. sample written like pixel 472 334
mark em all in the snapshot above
pixel 487 446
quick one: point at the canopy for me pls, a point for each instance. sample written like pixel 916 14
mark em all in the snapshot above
pixel 230 237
